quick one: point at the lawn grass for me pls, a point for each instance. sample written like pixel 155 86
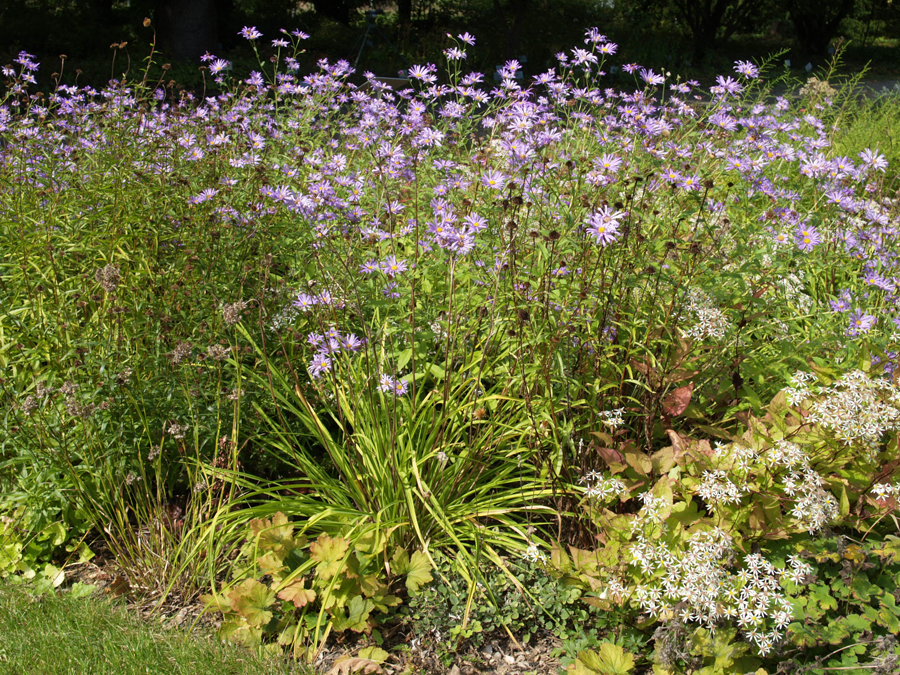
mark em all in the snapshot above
pixel 60 634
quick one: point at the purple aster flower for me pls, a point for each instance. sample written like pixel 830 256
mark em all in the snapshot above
pixel 250 33
pixel 494 179
pixel 475 222
pixel 860 323
pixel 392 267
pixel 746 69
pixel 603 225
pixel 468 39
pixel 305 302
pixel 690 183
pixel 392 385
pixel 218 66
pixel 351 343
pixel 726 85
pixel 807 238
pixel 609 163
pixel 650 77
pixel 204 196
pixel 368 267
pixel 320 364
pixel 873 159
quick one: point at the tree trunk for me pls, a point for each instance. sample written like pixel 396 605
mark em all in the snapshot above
pixel 336 10
pixel 512 18
pixel 187 29
pixel 816 21
pixel 404 11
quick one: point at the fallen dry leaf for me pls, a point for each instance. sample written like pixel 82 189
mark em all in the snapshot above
pixel 354 664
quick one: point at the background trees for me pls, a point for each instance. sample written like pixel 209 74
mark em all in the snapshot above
pixel 670 34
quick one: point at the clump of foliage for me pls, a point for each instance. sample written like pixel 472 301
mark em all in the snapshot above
pixel 720 552
pixel 312 588
pixel 483 322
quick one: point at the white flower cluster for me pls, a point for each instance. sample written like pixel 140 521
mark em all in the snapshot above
pixel 799 390
pixel 534 554
pixel 717 488
pixel 815 506
pixel 708 320
pixel 612 418
pixel 858 408
pixel 786 454
pixel 886 491
pixel 696 586
pixel 601 488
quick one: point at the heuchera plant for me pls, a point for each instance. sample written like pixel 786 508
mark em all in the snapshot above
pixel 307 589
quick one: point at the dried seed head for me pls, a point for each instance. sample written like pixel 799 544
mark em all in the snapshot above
pixel 154 452
pixel 176 430
pixel 182 352
pixel 232 313
pixel 108 277
pixel 76 409
pixel 123 377
pixel 217 352
pixel 68 388
pixel 41 390
pixel 29 405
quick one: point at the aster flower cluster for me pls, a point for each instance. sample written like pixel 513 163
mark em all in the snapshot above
pixel 707 320
pixel 329 346
pixel 696 584
pixel 813 506
pixel 856 407
pixel 717 488
pixel 600 487
pixel 613 418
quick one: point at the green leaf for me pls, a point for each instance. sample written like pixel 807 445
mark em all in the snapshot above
pixel 298 594
pixel 329 552
pixel 890 550
pixel 251 600
pixel 611 659
pixel 358 611
pixel 403 358
pixel 373 654
pixel 274 535
pixel 418 572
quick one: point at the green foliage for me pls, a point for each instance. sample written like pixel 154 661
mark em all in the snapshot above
pixel 22 551
pixel 311 589
pixel 522 601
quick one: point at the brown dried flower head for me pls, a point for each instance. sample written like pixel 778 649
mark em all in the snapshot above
pixel 182 352
pixel 29 405
pixel 232 313
pixel 217 352
pixel 177 430
pixel 108 277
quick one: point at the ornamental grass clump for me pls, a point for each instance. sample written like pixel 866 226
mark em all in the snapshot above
pixel 450 316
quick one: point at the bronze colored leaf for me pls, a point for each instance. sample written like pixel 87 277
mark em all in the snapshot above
pixel 677 402
pixel 297 594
